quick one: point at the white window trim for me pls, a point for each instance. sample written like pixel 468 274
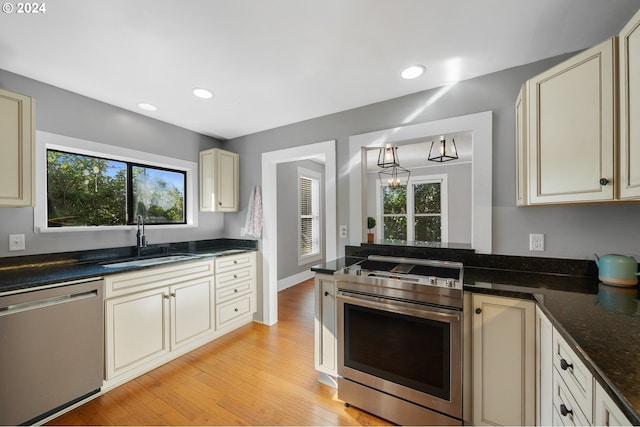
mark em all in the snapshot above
pixel 316 256
pixel 46 140
pixel 444 205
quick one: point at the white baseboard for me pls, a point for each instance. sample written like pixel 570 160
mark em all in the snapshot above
pixel 287 282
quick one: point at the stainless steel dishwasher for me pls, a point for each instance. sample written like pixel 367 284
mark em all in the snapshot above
pixel 51 350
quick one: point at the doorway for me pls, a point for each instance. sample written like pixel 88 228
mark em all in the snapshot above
pixel 324 152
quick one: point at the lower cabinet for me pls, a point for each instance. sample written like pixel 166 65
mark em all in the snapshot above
pixel 157 314
pixel 142 326
pixel 503 361
pixel 325 328
pixel 574 397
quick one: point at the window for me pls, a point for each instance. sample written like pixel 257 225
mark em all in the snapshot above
pixel 85 190
pixel 309 215
pixel 416 212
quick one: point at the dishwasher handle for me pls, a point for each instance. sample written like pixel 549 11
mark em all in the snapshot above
pixel 45 302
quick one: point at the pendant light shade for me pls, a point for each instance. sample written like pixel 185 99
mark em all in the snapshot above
pixel 388 157
pixel 443 152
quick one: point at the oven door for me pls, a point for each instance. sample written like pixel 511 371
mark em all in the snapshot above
pixel 408 350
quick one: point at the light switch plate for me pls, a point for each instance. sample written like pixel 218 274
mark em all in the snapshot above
pixel 16 242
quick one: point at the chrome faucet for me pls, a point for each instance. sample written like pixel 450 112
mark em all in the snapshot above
pixel 141 238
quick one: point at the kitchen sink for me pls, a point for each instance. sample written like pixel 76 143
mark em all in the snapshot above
pixel 148 261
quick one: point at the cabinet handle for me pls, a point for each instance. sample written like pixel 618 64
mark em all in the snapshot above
pixel 564 365
pixel 219 203
pixel 173 294
pixel 235 290
pixel 165 296
pixel 604 181
pixel 235 309
pixel 326 294
pixel 564 411
pixel 478 310
pixel 235 261
pixel 235 276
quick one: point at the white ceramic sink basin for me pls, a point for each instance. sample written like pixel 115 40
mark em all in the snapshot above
pixel 147 261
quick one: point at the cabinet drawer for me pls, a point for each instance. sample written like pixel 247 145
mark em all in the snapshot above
pixel 233 262
pixel 575 374
pixel 229 311
pixel 150 278
pixel 567 410
pixel 233 291
pixel 235 276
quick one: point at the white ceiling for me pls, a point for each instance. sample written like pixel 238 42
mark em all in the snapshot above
pixel 276 62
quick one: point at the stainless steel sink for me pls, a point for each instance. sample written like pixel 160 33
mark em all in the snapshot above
pixel 148 261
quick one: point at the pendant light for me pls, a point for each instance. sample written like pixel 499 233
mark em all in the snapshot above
pixel 394 176
pixel 443 153
pixel 388 157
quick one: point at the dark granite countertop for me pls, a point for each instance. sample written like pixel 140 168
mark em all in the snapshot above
pixel 600 322
pixel 18 274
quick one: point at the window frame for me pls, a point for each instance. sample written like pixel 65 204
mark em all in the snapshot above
pixel 46 140
pixel 410 214
pixel 316 179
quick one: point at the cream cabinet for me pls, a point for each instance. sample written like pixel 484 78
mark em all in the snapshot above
pixel 522 198
pixel 218 181
pixel 544 369
pixel 235 290
pixel 503 361
pixel 629 57
pixel 567 393
pixel 605 411
pixel 153 312
pixel 577 140
pixel 572 128
pixel 17 128
pixel 325 328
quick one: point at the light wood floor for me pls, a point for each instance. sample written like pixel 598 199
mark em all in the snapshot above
pixel 256 375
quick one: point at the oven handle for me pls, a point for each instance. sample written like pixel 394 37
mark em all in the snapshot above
pixel 430 312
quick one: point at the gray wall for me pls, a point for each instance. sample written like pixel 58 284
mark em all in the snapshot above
pixel 287 176
pixel 459 198
pixel 66 113
pixel 570 231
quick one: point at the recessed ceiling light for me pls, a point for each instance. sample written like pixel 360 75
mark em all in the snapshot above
pixel 202 93
pixel 412 72
pixel 146 106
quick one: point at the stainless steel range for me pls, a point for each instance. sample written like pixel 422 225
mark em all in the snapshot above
pixel 400 339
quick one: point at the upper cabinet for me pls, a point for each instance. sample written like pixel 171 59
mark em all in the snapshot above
pixel 218 181
pixel 571 129
pixel 575 140
pixel 629 54
pixel 16 149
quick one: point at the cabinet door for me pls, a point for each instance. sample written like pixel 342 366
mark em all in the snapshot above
pixel 606 412
pixel 572 125
pixel 219 181
pixel 137 330
pixel 544 369
pixel 521 147
pixel 503 361
pixel 227 181
pixel 16 150
pixel 192 310
pixel 326 344
pixel 630 109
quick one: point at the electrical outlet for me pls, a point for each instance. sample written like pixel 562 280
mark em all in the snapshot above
pixel 16 242
pixel 536 242
pixel 343 231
